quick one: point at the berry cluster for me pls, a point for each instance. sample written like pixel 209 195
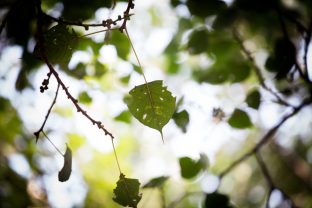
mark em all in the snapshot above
pixel 45 83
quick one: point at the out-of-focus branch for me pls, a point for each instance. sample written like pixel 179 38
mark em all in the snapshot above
pixel 264 139
pixel 239 39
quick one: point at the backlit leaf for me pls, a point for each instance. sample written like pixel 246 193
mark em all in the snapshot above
pixel 152 104
pixel 181 119
pixel 253 99
pixel 240 119
pixel 124 116
pixel 189 167
pixel 65 172
pixel 127 191
pixel 217 200
pixel 59 45
pixel 85 98
pixel 156 182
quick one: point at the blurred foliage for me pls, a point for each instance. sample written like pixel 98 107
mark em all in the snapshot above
pixel 279 28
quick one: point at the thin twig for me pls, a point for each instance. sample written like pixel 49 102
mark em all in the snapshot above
pixel 105 23
pixel 37 133
pixel 127 14
pixel 258 70
pixel 57 149
pixel 264 139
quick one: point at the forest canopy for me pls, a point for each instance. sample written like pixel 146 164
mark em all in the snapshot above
pixel 133 103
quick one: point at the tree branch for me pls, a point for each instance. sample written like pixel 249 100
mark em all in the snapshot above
pixel 105 23
pixel 56 75
pixel 257 69
pixel 37 133
pixel 264 139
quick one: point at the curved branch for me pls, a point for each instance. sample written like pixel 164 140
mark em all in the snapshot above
pixel 264 139
pixel 280 100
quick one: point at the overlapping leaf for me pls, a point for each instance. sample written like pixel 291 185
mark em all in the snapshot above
pixel 152 104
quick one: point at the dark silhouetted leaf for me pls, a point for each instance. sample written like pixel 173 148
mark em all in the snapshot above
pixel 124 116
pixel 216 200
pixel 84 98
pixel 64 174
pixel 239 119
pixel 198 41
pixel 59 45
pixel 189 167
pixel 181 119
pixel 253 99
pixel 127 191
pixel 152 104
pixel 204 8
pixel 283 59
pixel 156 182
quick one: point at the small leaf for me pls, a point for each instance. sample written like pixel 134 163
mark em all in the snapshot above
pixel 240 119
pixel 84 98
pixel 59 45
pixel 64 174
pixel 152 104
pixel 181 119
pixel 124 116
pixel 156 182
pixel 253 99
pixel 127 191
pixel 189 167
pixel 216 200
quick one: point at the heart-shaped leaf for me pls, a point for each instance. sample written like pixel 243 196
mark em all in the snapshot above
pixel 65 172
pixel 152 104
pixel 127 191
pixel 240 120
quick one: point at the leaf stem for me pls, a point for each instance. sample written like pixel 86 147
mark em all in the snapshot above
pixel 57 149
pixel 115 154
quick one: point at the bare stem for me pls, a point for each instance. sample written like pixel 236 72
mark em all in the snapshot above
pixel 37 133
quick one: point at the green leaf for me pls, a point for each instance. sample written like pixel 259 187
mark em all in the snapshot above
pixel 189 167
pixel 181 119
pixel 152 104
pixel 59 45
pixel 65 172
pixel 214 200
pixel 240 119
pixel 156 182
pixel 121 42
pixel 124 116
pixel 198 41
pixel 253 99
pixel 127 191
pixel 84 98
